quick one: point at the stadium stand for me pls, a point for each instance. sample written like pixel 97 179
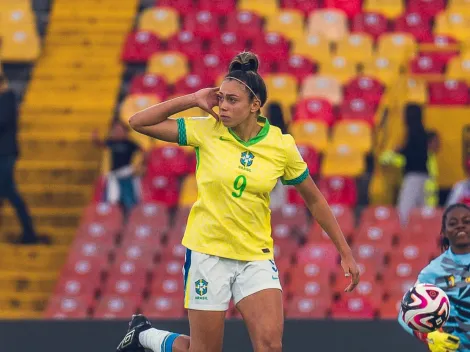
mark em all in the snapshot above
pixel 342 72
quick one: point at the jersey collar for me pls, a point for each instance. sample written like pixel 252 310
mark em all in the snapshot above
pixel 259 137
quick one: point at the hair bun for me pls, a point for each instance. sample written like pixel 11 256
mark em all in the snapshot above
pixel 246 61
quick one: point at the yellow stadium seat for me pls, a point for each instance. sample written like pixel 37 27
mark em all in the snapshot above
pixel 20 46
pixel 282 89
pixel 32 258
pixel 170 65
pixel 459 68
pixel 313 46
pixel 289 23
pixel 454 24
pixel 313 133
pixel 459 6
pixel 26 302
pixel 343 160
pixel 17 19
pixel 24 281
pixel 356 47
pixel 188 191
pixel 398 47
pixel 163 21
pixel 383 69
pixel 263 8
pixel 134 103
pixel 353 133
pixel 389 8
pixel 6 5
pixel 416 91
pixel 322 87
pixel 330 23
pixel 340 68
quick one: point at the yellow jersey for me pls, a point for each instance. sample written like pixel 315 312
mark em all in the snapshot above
pixel 231 217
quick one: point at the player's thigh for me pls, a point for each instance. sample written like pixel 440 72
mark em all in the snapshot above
pixel 206 330
pixel 258 296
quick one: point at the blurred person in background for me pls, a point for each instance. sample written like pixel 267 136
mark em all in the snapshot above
pixel 431 186
pixel 9 153
pixel 460 192
pixel 450 272
pixel 122 166
pixel 413 158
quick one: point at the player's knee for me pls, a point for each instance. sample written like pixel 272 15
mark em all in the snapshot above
pixel 269 341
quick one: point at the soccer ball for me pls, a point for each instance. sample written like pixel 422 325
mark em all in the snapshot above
pixel 425 308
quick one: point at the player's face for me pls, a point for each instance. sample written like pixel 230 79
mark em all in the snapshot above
pixel 235 105
pixel 458 228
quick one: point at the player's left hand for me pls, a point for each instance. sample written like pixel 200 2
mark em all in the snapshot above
pixel 350 269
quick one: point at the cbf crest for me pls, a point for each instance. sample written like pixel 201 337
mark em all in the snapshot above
pixel 201 289
pixel 246 159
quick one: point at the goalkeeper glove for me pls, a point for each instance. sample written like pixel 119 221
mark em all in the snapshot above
pixel 439 341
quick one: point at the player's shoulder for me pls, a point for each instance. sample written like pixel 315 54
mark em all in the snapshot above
pixel 281 139
pixel 434 267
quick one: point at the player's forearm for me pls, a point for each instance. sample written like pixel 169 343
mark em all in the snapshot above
pixel 160 112
pixel 322 213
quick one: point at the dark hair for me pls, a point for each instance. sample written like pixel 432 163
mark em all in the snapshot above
pixel 276 117
pixel 444 240
pixel 244 67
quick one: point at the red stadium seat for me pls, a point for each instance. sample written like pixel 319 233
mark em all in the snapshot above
pixel 133 269
pixel 339 190
pixel 350 7
pixel 106 214
pixel 111 307
pixel 298 66
pixel 85 267
pixel 372 23
pixel 357 109
pixel 99 189
pixel 318 272
pixel 324 254
pixel 424 222
pixel 416 24
pixel 152 214
pixel 449 92
pixel 440 47
pixel 182 6
pixel 168 161
pixel 142 235
pixel 395 289
pixel 379 236
pixel 227 45
pixel 220 7
pixel 247 25
pixel 421 252
pixel 403 270
pixel 203 24
pixel 311 157
pixel 369 255
pixel 169 269
pixel 174 250
pixel 89 249
pixel 63 307
pixel 285 241
pixel 426 64
pixel 124 286
pixel 149 83
pixel 306 6
pixel 291 215
pixel 367 289
pixel 382 216
pixel 211 66
pixel 272 47
pixel 428 8
pixel 353 308
pixel 169 287
pixel 390 309
pixel 97 233
pixel 187 43
pixel 345 218
pixel 315 109
pixel 136 252
pixel 140 46
pixel 309 288
pixel 364 87
pixel 181 217
pixel 191 83
pixel 164 307
pixel 308 308
pixel 76 286
pixel 160 189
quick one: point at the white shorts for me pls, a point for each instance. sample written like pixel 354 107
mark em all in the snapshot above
pixel 210 281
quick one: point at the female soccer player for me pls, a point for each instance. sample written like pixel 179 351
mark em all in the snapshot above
pixel 228 236
pixel 451 272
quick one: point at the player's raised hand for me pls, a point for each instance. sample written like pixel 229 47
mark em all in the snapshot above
pixel 350 269
pixel 207 99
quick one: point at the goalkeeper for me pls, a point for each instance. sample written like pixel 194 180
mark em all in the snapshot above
pixel 451 272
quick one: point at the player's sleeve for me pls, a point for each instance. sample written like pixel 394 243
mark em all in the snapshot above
pixel 295 170
pixel 193 131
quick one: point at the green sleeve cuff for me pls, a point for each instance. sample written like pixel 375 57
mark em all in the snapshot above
pixel 182 137
pixel 296 180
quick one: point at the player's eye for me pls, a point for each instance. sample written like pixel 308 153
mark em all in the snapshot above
pixel 220 98
pixel 232 100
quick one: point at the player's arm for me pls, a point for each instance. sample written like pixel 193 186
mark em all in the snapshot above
pixel 322 213
pixel 154 121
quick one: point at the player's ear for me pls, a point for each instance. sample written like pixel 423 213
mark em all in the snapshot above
pixel 255 105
